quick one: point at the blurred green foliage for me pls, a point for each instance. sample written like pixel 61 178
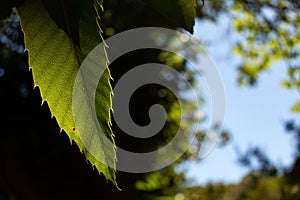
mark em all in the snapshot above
pixel 269 33
pixel 253 186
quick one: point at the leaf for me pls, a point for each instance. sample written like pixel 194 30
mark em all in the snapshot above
pixel 287 84
pixel 55 59
pixel 179 12
pixel 189 13
pixel 296 107
pixel 66 14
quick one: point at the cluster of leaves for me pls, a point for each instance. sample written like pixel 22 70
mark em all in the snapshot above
pixel 272 34
pixel 269 33
pixel 268 36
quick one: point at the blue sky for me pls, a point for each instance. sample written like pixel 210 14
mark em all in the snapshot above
pixel 254 116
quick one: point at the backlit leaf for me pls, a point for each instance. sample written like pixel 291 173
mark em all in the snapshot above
pixel 58 43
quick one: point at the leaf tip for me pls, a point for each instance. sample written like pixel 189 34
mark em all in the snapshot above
pixel 42 103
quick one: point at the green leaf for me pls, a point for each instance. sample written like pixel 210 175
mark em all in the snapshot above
pixel 55 59
pixel 296 107
pixel 66 14
pixel 287 84
pixel 179 12
pixel 189 13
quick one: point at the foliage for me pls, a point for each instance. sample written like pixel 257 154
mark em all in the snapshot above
pixel 57 50
pixel 253 186
pixel 181 13
pixel 269 34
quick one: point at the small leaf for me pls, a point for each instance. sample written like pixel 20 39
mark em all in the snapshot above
pixel 287 84
pixel 296 107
